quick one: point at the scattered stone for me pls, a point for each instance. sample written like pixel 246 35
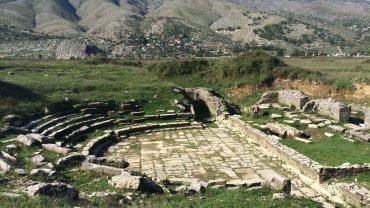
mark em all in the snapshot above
pixel 25 140
pixel 52 189
pixel 359 135
pixel 279 196
pixel 247 183
pixel 56 148
pixel 321 125
pixel 313 126
pixel 291 115
pixel 217 182
pixel 11 119
pixel 305 121
pixel 5 165
pixel 108 196
pixel 284 130
pixel 42 172
pixel 275 116
pixel 328 134
pixel 289 121
pixel 337 128
pixel 281 183
pixel 303 140
pixel 196 187
pixel 20 172
pixel 183 181
pixel 10 195
pixel 41 138
pixel 38 160
pixel 114 162
pixel 11 147
pixel 8 156
pixel 352 126
pixel 181 189
pixel 138 183
pixel 347 139
pixel 327 122
pixel 11 73
pixel 71 159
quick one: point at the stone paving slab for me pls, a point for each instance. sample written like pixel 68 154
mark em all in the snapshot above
pixel 204 154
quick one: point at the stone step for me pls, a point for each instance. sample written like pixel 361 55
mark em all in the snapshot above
pixel 67 122
pixel 52 122
pixel 70 128
pixel 77 134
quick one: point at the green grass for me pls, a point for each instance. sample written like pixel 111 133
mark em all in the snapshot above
pixel 38 83
pixel 88 181
pixel 212 198
pixel 332 151
pixel 227 198
pixel 333 67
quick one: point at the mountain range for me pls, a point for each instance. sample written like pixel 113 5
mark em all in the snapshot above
pixel 57 28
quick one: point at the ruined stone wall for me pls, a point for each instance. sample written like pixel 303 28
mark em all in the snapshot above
pixel 367 119
pixel 353 194
pixel 288 155
pixel 216 104
pixel 284 153
pixel 333 109
pixel 300 101
pixel 287 97
pixel 293 98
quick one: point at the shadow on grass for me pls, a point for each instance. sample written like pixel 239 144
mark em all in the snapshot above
pixel 8 90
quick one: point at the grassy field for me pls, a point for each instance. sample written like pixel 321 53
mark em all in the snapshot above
pixel 212 198
pixel 335 67
pixel 37 83
pixel 332 151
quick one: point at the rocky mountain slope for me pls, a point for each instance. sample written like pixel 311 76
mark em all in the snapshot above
pixel 140 28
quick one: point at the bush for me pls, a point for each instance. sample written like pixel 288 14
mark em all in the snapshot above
pixel 103 60
pixel 258 66
pixel 178 67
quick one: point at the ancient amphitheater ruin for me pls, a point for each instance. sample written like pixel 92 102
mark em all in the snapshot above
pixel 120 141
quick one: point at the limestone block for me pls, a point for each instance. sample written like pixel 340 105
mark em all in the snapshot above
pixel 27 141
pixel 52 189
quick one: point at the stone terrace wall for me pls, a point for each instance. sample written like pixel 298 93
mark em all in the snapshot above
pixel 333 109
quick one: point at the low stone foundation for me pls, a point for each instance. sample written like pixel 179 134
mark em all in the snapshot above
pixel 367 119
pixel 354 195
pixel 287 97
pixel 288 155
pixel 333 109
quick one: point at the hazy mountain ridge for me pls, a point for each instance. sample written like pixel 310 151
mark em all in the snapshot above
pixel 306 24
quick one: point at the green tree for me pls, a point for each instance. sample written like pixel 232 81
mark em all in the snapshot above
pixel 280 52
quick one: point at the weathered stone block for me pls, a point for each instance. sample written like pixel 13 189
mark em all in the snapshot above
pixel 293 98
pixel 25 140
pixel 367 119
pixel 333 109
pixel 52 189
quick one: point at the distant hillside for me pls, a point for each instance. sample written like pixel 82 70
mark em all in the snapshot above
pixel 138 28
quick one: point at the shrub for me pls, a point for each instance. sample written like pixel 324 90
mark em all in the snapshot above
pixel 178 67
